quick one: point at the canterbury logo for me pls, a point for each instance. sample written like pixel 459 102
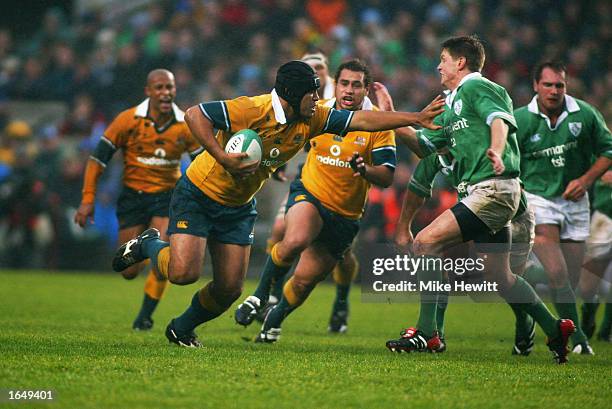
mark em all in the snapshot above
pixel 182 224
pixel 300 197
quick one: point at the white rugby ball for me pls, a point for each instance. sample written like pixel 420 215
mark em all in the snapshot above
pixel 247 141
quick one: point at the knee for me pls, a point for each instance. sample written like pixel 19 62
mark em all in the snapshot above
pixel 423 246
pixel 292 247
pixel 182 277
pixel 132 272
pixel 557 276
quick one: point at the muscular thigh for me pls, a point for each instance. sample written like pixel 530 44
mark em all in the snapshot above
pixel 302 223
pixel 314 264
pixel 440 234
pixel 161 224
pixel 186 255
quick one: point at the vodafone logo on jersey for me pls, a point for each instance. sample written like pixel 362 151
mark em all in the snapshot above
pixel 335 150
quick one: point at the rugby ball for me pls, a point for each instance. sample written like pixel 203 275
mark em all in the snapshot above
pixel 247 141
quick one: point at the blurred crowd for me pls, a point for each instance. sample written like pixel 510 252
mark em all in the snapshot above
pixel 95 64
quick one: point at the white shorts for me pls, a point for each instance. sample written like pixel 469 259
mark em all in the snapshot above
pixel 571 217
pixel 599 243
pixel 494 201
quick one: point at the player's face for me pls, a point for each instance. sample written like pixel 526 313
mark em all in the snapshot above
pixel 321 70
pixel 351 90
pixel 449 70
pixel 308 104
pixel 161 90
pixel 551 89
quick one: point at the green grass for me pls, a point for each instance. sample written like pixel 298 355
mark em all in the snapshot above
pixel 71 333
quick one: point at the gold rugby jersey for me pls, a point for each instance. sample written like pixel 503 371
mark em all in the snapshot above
pixel 328 176
pixel 281 141
pixel 151 156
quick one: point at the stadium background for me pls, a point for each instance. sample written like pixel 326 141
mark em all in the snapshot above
pixel 68 67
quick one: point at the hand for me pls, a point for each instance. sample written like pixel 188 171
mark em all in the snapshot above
pixel 403 237
pixel 496 161
pixel 575 190
pixel 383 98
pixel 427 115
pixel 357 164
pixel 84 213
pixel 235 164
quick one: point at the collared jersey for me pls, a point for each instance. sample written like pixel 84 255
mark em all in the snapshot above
pixel 470 109
pixel 151 156
pixel 328 176
pixel 281 141
pixel 552 157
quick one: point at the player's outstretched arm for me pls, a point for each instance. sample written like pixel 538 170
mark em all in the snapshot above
pixel 202 130
pixel 372 121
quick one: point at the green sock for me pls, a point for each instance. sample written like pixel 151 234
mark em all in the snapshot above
pixel 442 303
pixel 606 322
pixel 148 306
pixel 270 273
pixel 535 275
pixel 341 301
pixel 277 315
pixel 193 316
pixel 428 299
pixel 565 303
pixel 523 321
pixel 533 305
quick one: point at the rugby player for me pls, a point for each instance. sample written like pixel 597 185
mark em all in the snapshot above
pixel 324 207
pixel 152 136
pixel 213 204
pixel 558 135
pixel 479 130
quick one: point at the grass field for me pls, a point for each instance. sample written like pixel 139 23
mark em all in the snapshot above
pixel 71 333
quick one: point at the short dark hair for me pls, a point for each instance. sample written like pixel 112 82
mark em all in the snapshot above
pixel 357 66
pixel 556 66
pixel 469 47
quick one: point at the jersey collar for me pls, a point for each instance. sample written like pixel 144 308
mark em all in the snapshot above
pixel 143 109
pixel 450 95
pixel 571 106
pixel 279 112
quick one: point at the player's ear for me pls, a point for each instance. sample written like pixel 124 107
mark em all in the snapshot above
pixel 461 63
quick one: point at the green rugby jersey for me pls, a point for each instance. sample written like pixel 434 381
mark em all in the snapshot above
pixel 603 198
pixel 552 157
pixel 425 173
pixel 470 110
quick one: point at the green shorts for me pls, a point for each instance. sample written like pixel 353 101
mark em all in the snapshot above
pixel 136 208
pixel 337 233
pixel 192 212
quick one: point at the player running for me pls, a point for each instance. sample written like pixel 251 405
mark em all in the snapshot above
pixel 152 136
pixel 324 205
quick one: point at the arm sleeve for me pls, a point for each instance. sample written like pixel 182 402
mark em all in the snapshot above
pixel 93 170
pixel 424 175
pixel 330 120
pixel 228 115
pixel 383 150
pixel 491 103
pixel 430 140
pixel 601 135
